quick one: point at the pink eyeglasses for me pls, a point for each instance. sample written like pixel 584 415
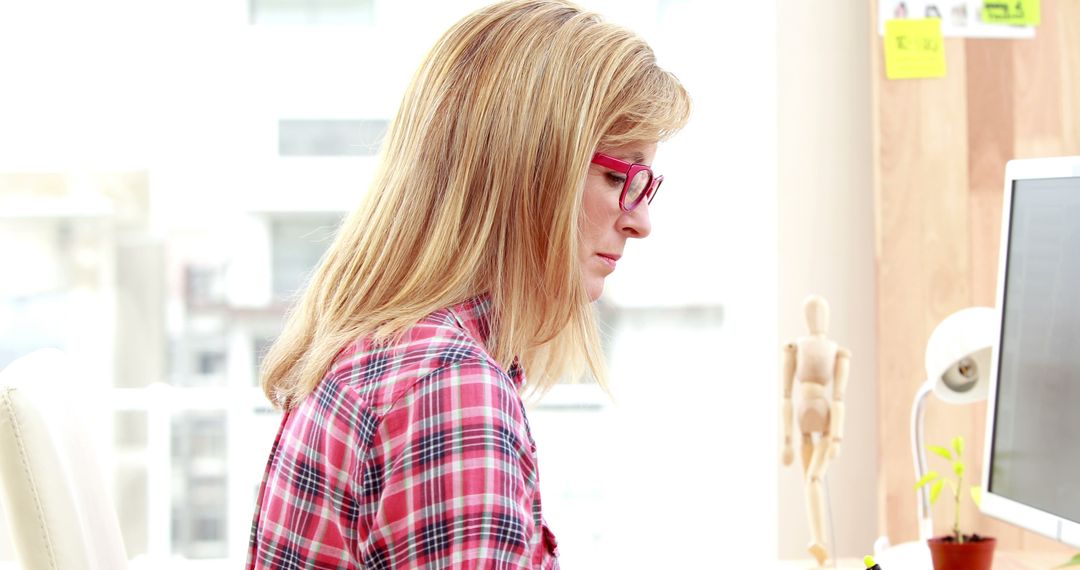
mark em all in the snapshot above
pixel 639 182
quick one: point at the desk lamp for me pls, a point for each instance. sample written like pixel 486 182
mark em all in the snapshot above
pixel 957 371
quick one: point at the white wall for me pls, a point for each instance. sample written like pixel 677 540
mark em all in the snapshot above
pixel 826 237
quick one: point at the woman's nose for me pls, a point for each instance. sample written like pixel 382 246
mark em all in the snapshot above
pixel 635 223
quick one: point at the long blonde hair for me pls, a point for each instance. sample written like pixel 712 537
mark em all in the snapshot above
pixel 479 191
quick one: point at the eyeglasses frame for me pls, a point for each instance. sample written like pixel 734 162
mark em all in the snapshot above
pixel 630 170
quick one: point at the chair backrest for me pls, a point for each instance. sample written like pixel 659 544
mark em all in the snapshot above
pixel 52 489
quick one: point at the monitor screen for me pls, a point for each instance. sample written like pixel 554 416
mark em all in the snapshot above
pixel 1034 423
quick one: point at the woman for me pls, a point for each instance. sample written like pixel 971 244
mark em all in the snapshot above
pixel 509 183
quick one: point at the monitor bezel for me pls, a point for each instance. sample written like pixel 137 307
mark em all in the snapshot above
pixel 997 506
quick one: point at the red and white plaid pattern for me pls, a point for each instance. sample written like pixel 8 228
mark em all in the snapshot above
pixel 412 455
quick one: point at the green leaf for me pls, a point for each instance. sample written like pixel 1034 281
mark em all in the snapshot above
pixel 958 468
pixel 940 451
pixel 958 445
pixel 936 490
pixel 926 479
pixel 1074 562
pixel 976 495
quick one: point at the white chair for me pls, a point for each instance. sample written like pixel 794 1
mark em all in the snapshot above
pixel 52 489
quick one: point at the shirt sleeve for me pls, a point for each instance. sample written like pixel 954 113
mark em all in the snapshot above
pixel 455 464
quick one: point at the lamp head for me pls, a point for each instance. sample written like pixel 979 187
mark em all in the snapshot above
pixel 958 355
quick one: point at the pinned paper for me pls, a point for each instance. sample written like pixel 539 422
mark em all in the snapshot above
pixel 914 49
pixel 959 18
pixel 1018 12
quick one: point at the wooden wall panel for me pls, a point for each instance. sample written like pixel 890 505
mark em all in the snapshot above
pixel 989 68
pixel 1038 91
pixel 940 149
pixel 1069 38
pixel 923 253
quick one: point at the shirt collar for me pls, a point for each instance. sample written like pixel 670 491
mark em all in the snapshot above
pixel 474 315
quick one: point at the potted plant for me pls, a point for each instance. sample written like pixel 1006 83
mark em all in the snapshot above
pixel 957 551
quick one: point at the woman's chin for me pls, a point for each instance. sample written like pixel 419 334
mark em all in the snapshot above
pixel 594 290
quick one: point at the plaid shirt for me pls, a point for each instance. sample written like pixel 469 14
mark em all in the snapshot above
pixel 413 455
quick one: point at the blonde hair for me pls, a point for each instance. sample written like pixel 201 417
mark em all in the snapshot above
pixel 479 191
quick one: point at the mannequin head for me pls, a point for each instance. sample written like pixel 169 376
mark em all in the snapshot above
pixel 816 309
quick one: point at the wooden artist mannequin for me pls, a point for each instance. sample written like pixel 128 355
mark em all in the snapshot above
pixel 813 362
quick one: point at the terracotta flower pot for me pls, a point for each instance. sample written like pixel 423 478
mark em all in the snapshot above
pixel 975 554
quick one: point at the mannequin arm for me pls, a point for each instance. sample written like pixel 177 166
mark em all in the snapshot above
pixel 836 412
pixel 787 409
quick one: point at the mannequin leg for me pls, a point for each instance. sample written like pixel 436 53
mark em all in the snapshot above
pixel 815 499
pixel 807 451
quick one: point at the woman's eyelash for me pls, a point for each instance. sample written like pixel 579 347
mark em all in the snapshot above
pixel 616 178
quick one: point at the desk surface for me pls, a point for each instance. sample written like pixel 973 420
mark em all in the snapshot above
pixel 1002 561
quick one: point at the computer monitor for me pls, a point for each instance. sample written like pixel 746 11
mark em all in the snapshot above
pixel 1031 476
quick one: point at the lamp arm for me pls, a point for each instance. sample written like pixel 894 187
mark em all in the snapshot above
pixel 918 451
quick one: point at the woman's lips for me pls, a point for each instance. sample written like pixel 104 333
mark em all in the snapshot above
pixel 610 260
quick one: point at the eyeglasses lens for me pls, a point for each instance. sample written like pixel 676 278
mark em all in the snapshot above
pixel 638 185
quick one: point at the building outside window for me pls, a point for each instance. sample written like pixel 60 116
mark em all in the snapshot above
pixel 312 12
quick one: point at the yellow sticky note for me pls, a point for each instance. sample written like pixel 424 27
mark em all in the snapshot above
pixel 914 49
pixel 1018 12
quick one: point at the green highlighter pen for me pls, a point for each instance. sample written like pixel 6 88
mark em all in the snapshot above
pixel 870 565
